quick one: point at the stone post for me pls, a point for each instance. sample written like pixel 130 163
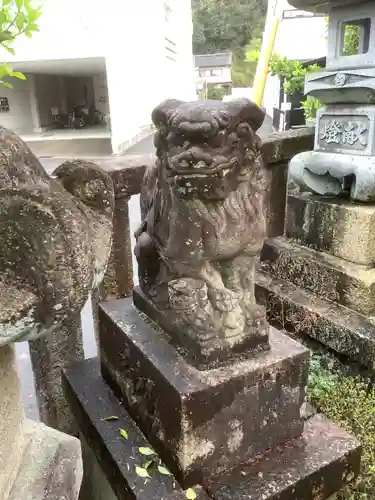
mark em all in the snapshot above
pixel 118 280
pixel 49 355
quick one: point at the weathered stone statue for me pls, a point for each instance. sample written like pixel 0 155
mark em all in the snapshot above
pixel 55 238
pixel 203 223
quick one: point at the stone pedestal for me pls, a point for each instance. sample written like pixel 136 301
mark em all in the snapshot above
pixel 238 431
pixel 202 422
pixel 319 279
pixel 37 462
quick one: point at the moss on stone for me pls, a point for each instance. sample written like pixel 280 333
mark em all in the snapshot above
pixel 347 396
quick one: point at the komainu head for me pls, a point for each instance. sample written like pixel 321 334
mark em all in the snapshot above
pixel 207 148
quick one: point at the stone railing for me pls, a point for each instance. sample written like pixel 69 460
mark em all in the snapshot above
pixel 127 172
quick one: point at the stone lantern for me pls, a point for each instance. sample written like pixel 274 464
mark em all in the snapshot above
pixel 320 273
pixel 344 154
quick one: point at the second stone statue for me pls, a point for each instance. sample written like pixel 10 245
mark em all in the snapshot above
pixel 203 228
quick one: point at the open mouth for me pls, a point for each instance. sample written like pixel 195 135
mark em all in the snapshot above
pixel 202 169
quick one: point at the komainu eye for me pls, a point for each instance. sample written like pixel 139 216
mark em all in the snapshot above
pixel 224 117
pixel 233 139
pixel 243 129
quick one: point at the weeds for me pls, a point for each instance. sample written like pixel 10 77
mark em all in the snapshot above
pixel 347 398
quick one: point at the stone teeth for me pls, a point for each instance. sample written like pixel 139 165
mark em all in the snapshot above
pixel 201 164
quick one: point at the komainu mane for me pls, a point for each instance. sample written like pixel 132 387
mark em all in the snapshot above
pixel 203 224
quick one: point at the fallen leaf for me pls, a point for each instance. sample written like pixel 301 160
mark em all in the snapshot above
pixel 190 494
pixel 124 433
pixel 148 464
pixel 164 470
pixel 141 472
pixel 146 451
pixel 110 418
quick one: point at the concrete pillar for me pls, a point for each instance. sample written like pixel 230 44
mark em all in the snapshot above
pixel 62 95
pixel 37 126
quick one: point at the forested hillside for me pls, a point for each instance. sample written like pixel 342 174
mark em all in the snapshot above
pixel 230 25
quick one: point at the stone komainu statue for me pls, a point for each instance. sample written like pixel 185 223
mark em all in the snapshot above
pixel 55 238
pixel 202 221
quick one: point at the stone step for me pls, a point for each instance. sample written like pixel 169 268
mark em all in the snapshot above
pixel 298 311
pixel 329 277
pixel 315 465
pixel 333 225
pixel 72 147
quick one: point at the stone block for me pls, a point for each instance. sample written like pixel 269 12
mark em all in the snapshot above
pixel 335 226
pixel 202 422
pixel 301 312
pixel 111 460
pixel 12 440
pixel 51 466
pixel 315 465
pixel 37 462
pixel 348 130
pixel 311 468
pixel 275 198
pixel 344 155
pixel 350 86
pixel 331 278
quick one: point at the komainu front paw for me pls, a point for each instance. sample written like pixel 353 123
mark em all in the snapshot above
pixel 223 300
pixel 255 315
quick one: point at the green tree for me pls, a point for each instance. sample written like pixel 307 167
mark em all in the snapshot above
pixel 217 93
pixel 17 17
pixel 226 25
pixel 245 64
pixel 352 37
pixel 352 34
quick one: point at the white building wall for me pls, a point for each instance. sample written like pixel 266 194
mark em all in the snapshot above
pixel 69 29
pixel 131 36
pixel 182 25
pixel 302 38
pixel 19 118
pixel 152 61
